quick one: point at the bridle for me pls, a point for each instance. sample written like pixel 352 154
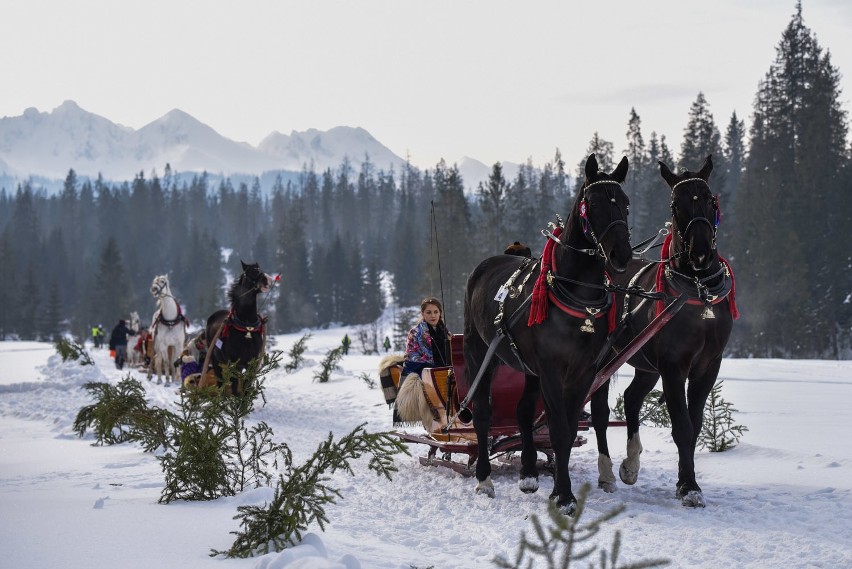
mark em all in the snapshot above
pixel 258 286
pixel 714 226
pixel 161 285
pixel 588 230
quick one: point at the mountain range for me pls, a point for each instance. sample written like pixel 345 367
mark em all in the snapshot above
pixel 45 145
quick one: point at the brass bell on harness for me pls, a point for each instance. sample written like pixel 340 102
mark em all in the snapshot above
pixel 707 314
pixel 248 331
pixel 589 326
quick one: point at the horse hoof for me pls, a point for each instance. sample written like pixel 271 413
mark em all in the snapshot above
pixel 607 486
pixel 568 509
pixel 693 499
pixel 528 485
pixel 486 487
pixel 627 475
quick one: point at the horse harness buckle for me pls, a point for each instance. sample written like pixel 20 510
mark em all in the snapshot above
pixel 509 289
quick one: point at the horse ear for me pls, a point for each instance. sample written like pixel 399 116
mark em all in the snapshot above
pixel 667 174
pixel 591 167
pixel 243 265
pixel 620 172
pixel 706 168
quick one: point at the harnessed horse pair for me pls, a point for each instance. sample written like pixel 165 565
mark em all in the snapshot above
pixel 580 285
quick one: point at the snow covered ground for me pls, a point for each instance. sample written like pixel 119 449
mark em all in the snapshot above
pixel 779 499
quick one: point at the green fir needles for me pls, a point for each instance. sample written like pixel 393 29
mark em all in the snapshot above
pixel 719 433
pixel 329 365
pixel 296 354
pixel 113 416
pixel 569 539
pixel 302 492
pixel 73 350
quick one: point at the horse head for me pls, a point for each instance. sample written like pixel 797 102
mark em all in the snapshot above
pixel 695 214
pixel 160 286
pixel 602 207
pixel 253 277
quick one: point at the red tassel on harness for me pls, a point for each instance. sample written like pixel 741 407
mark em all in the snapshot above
pixel 538 306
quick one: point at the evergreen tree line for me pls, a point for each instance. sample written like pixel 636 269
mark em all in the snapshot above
pixel 88 254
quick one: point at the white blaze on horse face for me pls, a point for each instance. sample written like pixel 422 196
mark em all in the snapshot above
pixel 266 282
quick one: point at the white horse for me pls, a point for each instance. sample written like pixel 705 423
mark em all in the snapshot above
pixel 169 329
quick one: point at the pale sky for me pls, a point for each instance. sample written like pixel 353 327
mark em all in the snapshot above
pixel 493 80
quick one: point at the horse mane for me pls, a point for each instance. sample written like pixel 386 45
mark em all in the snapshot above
pixel 235 291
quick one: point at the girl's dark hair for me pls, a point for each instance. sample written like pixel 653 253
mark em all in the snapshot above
pixel 432 300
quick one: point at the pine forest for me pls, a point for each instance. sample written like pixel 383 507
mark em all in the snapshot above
pixel 87 255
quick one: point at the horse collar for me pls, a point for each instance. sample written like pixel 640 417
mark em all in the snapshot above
pixel 240 326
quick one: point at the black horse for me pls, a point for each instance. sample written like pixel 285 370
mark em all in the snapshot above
pixel 237 335
pixel 556 351
pixel 690 346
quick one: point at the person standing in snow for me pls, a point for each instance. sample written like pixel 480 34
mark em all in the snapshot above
pixel 118 342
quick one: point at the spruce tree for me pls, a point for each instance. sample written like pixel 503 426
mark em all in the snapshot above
pixel 793 205
pixel 107 293
pixel 491 197
pixel 701 138
pixel 639 179
pixel 603 151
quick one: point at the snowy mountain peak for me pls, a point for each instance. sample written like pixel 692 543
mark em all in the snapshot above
pixel 49 144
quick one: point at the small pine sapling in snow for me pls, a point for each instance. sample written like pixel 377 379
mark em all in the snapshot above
pixel 302 492
pixel 718 433
pixel 329 365
pixel 296 354
pixel 73 350
pixel 568 539
pixel 653 411
pixel 366 378
pixel 114 412
pixel 216 452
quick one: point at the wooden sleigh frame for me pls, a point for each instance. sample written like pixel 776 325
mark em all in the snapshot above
pixel 445 387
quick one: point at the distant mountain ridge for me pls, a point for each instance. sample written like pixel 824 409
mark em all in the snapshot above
pixel 48 144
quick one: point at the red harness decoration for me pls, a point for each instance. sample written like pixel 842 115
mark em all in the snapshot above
pixel 541 292
pixel 538 306
pixel 230 322
pixel 662 285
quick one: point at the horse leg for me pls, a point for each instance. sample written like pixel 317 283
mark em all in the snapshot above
pixel 682 431
pixel 170 358
pixel 563 414
pixel 600 422
pixel 525 414
pixel 642 384
pixel 698 390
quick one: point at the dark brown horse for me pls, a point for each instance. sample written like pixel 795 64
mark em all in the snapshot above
pixel 237 335
pixel 689 347
pixel 557 351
